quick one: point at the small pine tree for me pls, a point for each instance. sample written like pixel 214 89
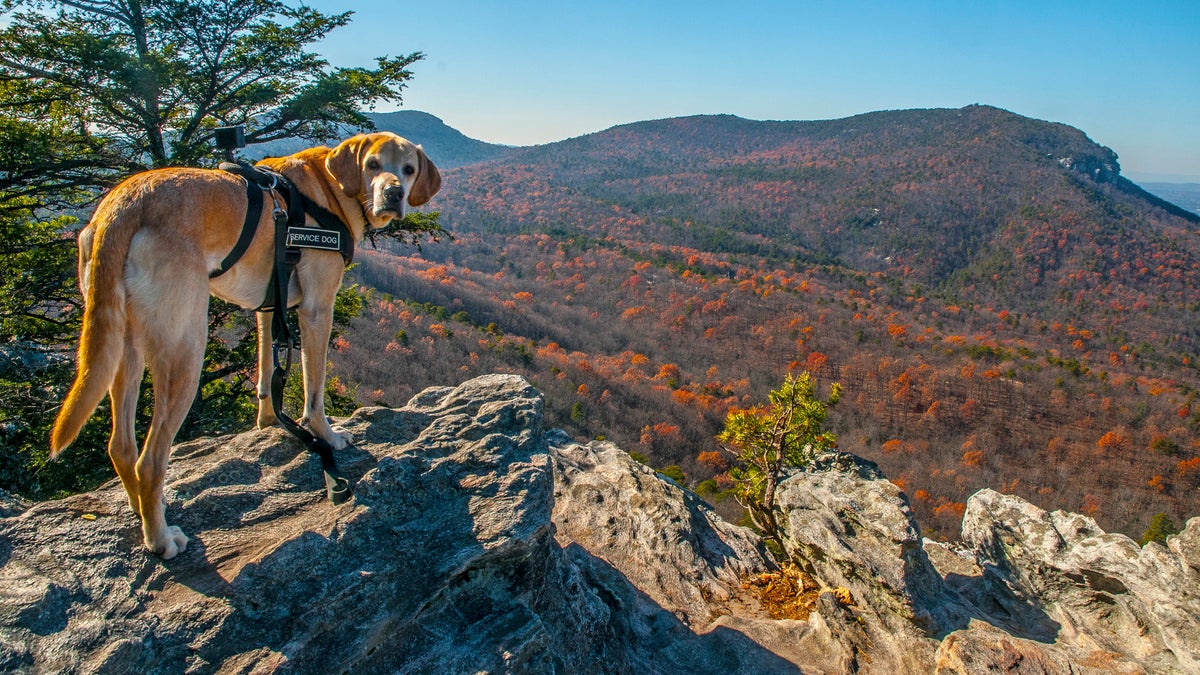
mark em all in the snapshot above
pixel 1161 526
pixel 675 473
pixel 762 441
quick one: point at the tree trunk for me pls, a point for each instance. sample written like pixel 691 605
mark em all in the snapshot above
pixel 147 87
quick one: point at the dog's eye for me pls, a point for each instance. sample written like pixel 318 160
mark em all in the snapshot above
pixel 373 164
pixel 409 170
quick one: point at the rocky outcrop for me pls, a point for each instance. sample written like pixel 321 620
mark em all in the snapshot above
pixel 1025 591
pixel 663 539
pixel 477 541
pixel 853 529
pixel 1100 598
pixel 445 561
pixel 11 505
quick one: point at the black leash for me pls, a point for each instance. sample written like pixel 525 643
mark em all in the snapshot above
pixel 283 341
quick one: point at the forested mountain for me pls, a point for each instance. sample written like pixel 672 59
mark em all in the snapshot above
pixel 450 146
pixel 1003 308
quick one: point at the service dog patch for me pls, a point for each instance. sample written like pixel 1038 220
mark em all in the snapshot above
pixel 314 237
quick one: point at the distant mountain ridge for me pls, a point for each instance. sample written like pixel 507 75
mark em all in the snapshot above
pixel 1186 195
pixel 451 148
pixel 447 146
pixel 939 192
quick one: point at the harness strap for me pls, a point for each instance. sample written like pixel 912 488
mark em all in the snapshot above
pixel 331 233
pixel 254 196
pixel 327 221
pixel 337 486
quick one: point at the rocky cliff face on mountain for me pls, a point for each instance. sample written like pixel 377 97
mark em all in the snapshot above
pixel 478 541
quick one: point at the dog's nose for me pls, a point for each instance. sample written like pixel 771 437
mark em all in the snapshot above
pixel 394 193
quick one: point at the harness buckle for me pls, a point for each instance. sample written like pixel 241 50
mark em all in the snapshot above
pixel 277 211
pixel 286 348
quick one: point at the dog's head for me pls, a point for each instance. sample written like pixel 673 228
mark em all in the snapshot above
pixel 383 171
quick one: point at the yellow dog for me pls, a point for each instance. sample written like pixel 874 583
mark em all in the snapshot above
pixel 144 264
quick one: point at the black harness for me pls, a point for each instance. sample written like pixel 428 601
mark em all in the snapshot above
pixel 291 237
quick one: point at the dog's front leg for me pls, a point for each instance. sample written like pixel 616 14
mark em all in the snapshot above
pixel 266 365
pixel 316 322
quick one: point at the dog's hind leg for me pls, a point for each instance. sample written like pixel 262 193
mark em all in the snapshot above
pixel 122 446
pixel 170 302
pixel 175 370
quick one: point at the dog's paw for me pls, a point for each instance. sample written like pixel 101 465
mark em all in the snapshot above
pixel 339 438
pixel 173 543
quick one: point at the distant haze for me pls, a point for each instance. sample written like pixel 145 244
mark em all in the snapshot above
pixel 1186 195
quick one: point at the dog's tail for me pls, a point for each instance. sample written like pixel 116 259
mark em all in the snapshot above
pixel 103 248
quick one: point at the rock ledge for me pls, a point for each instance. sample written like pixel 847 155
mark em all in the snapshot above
pixel 478 541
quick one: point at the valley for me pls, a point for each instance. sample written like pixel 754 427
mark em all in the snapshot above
pixel 1002 307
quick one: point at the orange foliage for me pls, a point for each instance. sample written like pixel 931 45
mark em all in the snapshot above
pixel 664 429
pixel 1156 482
pixel 1188 468
pixel 713 459
pixel 953 510
pixel 972 458
pixel 841 327
pixel 683 396
pixel 1113 440
pixel 968 410
pixel 669 371
pixel 814 361
pixel 634 312
pixel 931 413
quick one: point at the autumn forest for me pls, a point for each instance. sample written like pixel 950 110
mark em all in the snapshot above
pixel 1002 308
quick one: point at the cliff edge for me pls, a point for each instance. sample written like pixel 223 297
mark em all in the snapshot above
pixel 480 542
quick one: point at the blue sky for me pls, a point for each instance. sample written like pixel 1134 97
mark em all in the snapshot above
pixel 532 71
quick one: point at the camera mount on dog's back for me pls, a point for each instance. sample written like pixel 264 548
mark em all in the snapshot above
pixel 228 139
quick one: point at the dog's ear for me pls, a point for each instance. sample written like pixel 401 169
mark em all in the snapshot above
pixel 344 165
pixel 429 181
